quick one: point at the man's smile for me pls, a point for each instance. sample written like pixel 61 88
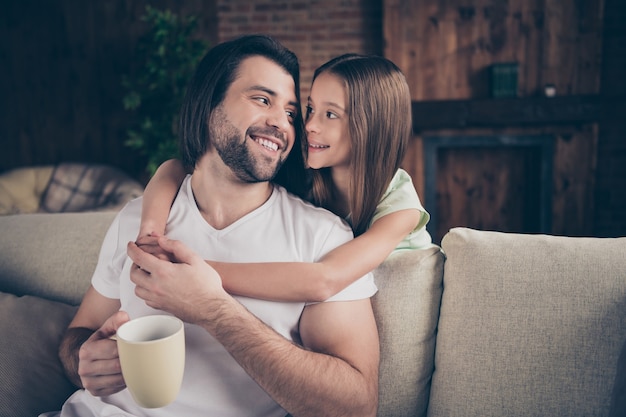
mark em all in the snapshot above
pixel 270 144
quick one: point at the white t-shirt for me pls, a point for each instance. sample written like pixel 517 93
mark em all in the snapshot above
pixel 285 228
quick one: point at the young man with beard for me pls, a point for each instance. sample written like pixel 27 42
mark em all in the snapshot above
pixel 244 357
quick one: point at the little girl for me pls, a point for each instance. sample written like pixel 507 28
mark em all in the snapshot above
pixel 358 123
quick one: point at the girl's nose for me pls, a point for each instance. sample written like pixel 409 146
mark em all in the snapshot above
pixel 311 125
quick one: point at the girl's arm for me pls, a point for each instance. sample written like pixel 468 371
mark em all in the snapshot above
pixel 307 281
pixel 159 196
pixel 283 281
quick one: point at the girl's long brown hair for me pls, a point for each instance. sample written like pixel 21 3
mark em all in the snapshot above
pixel 379 112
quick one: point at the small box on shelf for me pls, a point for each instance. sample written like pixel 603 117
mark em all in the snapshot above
pixel 503 77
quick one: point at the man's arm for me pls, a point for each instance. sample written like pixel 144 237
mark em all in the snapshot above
pixel 88 356
pixel 337 376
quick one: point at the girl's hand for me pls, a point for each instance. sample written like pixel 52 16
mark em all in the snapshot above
pixel 150 244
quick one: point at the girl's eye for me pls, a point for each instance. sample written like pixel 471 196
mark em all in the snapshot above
pixel 309 111
pixel 331 115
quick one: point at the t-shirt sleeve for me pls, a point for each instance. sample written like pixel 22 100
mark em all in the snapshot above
pixel 106 276
pixel 363 287
pixel 401 195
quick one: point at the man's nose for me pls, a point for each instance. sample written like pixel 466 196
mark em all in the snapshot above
pixel 279 119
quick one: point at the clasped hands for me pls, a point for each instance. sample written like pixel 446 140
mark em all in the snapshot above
pixel 169 276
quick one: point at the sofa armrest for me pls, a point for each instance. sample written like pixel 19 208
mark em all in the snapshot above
pixel 51 255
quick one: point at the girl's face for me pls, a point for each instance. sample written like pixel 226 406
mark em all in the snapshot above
pixel 328 138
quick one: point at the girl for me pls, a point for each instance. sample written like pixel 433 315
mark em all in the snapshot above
pixel 358 123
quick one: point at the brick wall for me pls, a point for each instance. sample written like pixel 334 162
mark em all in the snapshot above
pixel 316 30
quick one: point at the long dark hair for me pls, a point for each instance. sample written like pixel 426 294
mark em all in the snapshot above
pixel 207 88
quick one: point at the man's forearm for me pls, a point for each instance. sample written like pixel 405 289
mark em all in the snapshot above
pixel 72 340
pixel 303 382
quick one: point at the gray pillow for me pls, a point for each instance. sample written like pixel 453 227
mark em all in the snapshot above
pixel 32 377
pixel 530 325
pixel 406 308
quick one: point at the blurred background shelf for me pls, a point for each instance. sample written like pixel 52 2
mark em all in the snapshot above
pixel 508 112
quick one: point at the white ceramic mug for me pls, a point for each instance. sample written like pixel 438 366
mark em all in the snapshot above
pixel 152 356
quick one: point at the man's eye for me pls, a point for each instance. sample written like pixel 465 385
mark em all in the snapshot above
pixel 291 114
pixel 262 100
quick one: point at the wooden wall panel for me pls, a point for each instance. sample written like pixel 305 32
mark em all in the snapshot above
pixel 494 197
pixel 498 189
pixel 446 48
pixel 610 198
pixel 61 73
pixel 412 164
pixel 574 182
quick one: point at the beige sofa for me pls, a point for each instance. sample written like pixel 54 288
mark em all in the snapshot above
pixel 502 325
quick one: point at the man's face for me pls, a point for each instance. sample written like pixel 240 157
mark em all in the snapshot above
pixel 253 128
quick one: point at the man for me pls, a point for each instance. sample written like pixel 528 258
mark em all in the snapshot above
pixel 239 122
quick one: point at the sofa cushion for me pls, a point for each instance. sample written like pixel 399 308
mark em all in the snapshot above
pixel 530 325
pixel 406 309
pixel 61 255
pixel 31 373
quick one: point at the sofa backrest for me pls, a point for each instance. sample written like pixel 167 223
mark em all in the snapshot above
pixel 51 255
pixel 54 255
pixel 46 263
pixel 530 325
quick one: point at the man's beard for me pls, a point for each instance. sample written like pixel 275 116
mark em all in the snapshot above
pixel 231 145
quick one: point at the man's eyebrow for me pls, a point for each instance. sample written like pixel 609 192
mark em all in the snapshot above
pixel 270 92
pixel 261 88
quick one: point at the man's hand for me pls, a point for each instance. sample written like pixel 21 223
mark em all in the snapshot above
pixel 185 287
pixel 99 364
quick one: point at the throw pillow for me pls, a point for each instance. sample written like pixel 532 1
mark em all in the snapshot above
pixel 406 308
pixel 21 189
pixel 82 187
pixel 32 377
pixel 530 325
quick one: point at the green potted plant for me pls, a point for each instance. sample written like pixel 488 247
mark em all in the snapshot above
pixel 168 55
